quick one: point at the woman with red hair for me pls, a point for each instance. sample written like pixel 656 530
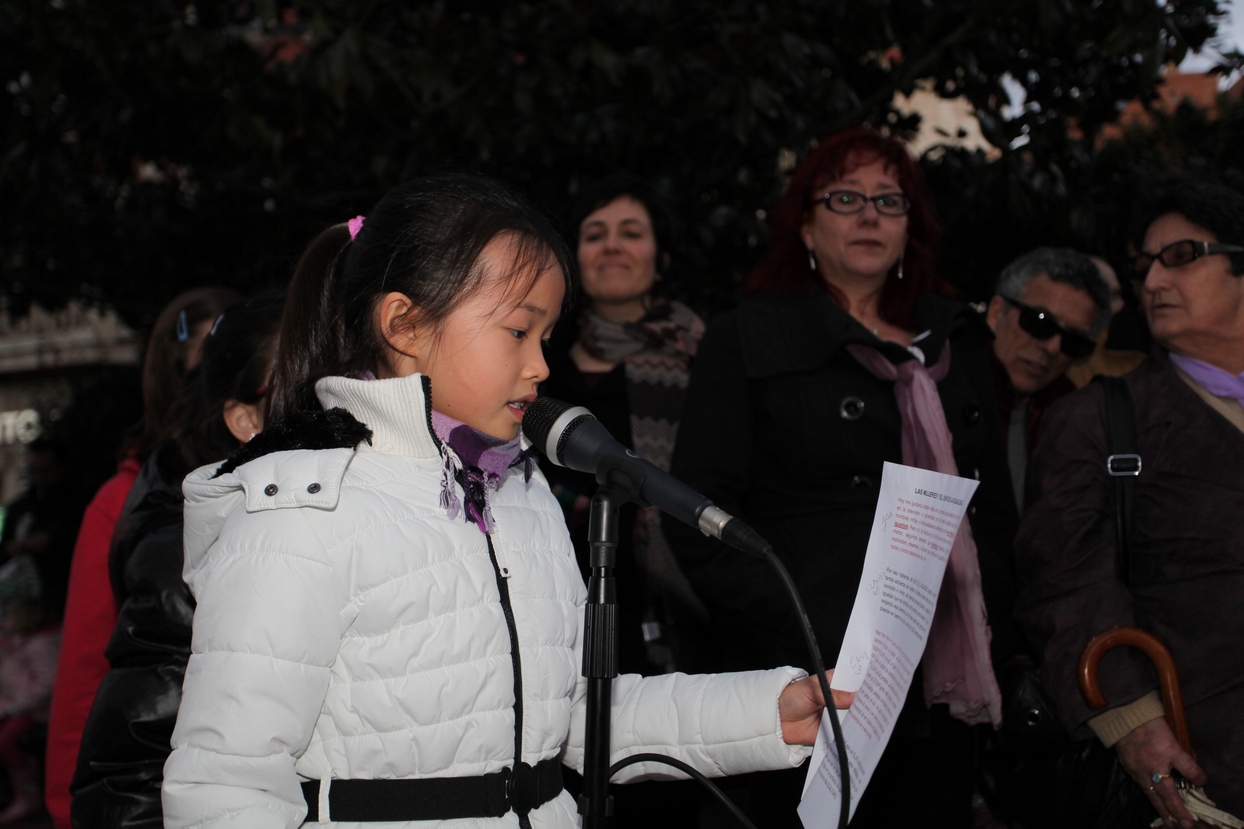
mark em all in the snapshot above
pixel 848 351
pixel 896 277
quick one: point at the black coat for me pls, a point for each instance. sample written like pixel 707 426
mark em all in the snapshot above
pixel 130 727
pixel 784 429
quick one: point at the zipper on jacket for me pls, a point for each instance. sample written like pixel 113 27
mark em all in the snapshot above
pixel 503 588
pixel 426 383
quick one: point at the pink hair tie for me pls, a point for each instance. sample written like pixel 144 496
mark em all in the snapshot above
pixel 355 225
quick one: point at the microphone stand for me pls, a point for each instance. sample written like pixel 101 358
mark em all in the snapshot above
pixel 621 476
pixel 600 656
pixel 617 481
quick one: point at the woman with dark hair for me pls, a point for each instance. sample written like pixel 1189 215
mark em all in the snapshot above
pixel 1181 574
pixel 173 349
pixel 127 735
pixel 626 357
pixel 796 401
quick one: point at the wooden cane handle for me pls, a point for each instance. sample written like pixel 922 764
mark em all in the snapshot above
pixel 1168 680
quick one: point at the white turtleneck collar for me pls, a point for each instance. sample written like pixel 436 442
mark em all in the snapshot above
pixel 396 410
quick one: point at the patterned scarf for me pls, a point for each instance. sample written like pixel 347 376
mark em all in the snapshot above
pixel 957 666
pixel 478 462
pixel 656 352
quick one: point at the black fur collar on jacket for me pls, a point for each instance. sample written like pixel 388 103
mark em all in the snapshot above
pixel 333 429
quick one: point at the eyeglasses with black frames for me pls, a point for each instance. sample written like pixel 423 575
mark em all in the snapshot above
pixel 1042 325
pixel 853 201
pixel 1178 254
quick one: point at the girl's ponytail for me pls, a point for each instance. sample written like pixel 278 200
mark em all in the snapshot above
pixel 310 343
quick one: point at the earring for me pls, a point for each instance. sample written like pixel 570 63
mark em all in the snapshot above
pixel 811 259
pixel 900 267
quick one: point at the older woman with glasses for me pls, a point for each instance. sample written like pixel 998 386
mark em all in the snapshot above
pixel 1182 575
pixel 796 401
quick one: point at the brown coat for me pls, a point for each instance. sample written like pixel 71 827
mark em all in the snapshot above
pixel 1187 560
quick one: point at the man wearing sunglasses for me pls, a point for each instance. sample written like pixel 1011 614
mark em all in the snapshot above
pixel 1046 311
pixel 1122 345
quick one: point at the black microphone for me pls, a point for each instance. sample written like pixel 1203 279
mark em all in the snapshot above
pixel 572 437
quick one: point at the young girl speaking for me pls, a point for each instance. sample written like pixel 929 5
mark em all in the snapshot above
pixel 390 616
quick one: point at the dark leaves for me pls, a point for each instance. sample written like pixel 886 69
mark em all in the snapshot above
pixel 152 146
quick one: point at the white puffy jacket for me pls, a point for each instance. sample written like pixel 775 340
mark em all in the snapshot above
pixel 347 628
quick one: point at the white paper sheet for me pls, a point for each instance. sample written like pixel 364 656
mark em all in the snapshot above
pixel 918 515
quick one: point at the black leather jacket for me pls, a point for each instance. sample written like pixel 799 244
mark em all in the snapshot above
pixel 127 736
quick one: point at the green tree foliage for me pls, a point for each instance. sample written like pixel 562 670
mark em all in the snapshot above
pixel 1188 140
pixel 150 146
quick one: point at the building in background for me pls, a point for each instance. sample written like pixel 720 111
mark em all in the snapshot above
pixel 1201 90
pixel 46 359
pixel 944 122
pixel 952 122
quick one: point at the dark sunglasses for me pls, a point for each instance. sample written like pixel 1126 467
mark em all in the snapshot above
pixel 1041 325
pixel 852 201
pixel 1178 254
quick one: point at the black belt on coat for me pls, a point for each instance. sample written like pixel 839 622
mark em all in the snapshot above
pixel 438 798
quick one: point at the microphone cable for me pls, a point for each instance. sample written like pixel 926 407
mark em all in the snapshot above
pixel 814 651
pixel 549 425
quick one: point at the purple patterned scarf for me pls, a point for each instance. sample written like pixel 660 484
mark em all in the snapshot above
pixel 1214 380
pixel 958 670
pixel 477 461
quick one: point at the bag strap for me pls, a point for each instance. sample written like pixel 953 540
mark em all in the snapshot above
pixel 1123 463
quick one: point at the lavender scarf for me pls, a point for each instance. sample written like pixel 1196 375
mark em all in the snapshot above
pixel 1214 380
pixel 957 667
pixel 477 461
